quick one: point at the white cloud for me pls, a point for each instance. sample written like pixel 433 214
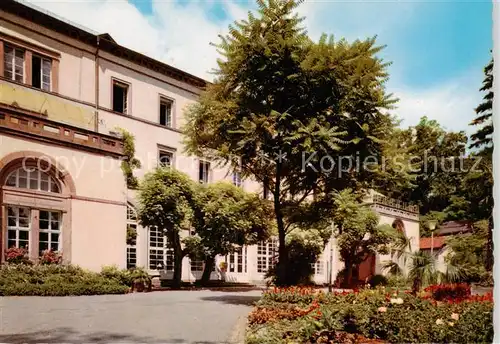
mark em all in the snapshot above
pixel 179 34
pixel 451 104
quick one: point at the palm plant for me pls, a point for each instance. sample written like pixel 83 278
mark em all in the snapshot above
pixel 422 270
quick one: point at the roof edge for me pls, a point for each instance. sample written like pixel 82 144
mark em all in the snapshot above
pixel 63 26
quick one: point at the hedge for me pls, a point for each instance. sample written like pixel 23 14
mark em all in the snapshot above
pixel 55 280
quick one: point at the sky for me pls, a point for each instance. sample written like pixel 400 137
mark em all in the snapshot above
pixel 438 48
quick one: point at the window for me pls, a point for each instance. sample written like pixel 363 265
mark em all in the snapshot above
pixel 266 255
pixel 32 178
pixel 166 112
pixel 40 72
pixel 18 227
pixel 13 63
pixel 237 261
pixel 318 268
pixel 50 231
pixel 120 97
pixel 196 265
pixel 236 178
pixel 165 158
pixel 204 170
pixel 160 257
pixel 131 247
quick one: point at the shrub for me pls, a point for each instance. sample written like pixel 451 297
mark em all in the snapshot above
pixel 377 280
pixel 50 257
pixel 114 273
pixel 55 280
pixel 443 292
pixel 15 255
pixel 397 281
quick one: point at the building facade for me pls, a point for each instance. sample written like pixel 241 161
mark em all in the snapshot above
pixel 64 93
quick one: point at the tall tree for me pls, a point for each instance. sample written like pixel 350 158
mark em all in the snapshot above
pixel 438 164
pixel 166 201
pixel 293 114
pixel 226 217
pixel 482 138
pixel 359 233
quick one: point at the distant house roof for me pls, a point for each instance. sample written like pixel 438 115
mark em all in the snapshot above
pixel 427 243
pixel 454 227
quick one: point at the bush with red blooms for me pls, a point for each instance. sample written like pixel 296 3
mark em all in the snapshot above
pixel 50 257
pixel 15 255
pixel 449 292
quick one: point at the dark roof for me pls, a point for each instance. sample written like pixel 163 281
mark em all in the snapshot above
pixel 58 24
pixel 454 227
pixel 107 36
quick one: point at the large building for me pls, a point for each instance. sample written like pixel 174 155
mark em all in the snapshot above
pixel 64 92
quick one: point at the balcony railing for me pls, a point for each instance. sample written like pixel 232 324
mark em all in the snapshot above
pixel 395 204
pixel 22 124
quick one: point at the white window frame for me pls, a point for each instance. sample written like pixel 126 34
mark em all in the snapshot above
pixel 42 83
pixel 237 179
pixel 266 255
pixel 237 261
pixel 204 166
pixel 131 249
pixel 169 122
pixel 196 265
pixel 161 249
pixel 168 151
pixel 126 95
pixel 32 174
pixel 16 51
pixel 50 230
pixel 318 267
pixel 16 227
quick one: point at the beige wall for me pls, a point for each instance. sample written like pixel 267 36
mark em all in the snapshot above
pixel 98 234
pixel 76 68
pixel 412 231
pixel 97 217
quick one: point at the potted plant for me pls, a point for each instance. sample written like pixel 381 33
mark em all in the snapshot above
pixel 223 269
pixel 140 279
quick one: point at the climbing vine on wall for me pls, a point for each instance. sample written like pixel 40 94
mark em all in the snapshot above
pixel 129 162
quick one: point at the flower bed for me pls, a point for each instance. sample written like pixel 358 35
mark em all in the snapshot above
pixel 302 315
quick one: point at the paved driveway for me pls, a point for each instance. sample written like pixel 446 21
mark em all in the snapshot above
pixel 158 317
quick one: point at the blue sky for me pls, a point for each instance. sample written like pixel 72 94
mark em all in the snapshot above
pixel 438 48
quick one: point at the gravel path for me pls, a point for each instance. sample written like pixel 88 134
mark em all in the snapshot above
pixel 158 317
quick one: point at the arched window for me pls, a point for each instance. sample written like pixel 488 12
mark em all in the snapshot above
pixel 131 247
pixel 32 178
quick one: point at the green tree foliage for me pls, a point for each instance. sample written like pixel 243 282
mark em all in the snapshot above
pixel 304 249
pixel 129 162
pixel 166 201
pixel 436 162
pixel 358 232
pixel 226 217
pixel 468 253
pixel 482 138
pixel 283 108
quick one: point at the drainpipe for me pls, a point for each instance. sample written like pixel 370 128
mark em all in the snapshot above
pixel 96 123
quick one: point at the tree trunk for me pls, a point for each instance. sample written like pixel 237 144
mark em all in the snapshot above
pixel 489 246
pixel 347 274
pixel 207 271
pixel 282 266
pixel 178 255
